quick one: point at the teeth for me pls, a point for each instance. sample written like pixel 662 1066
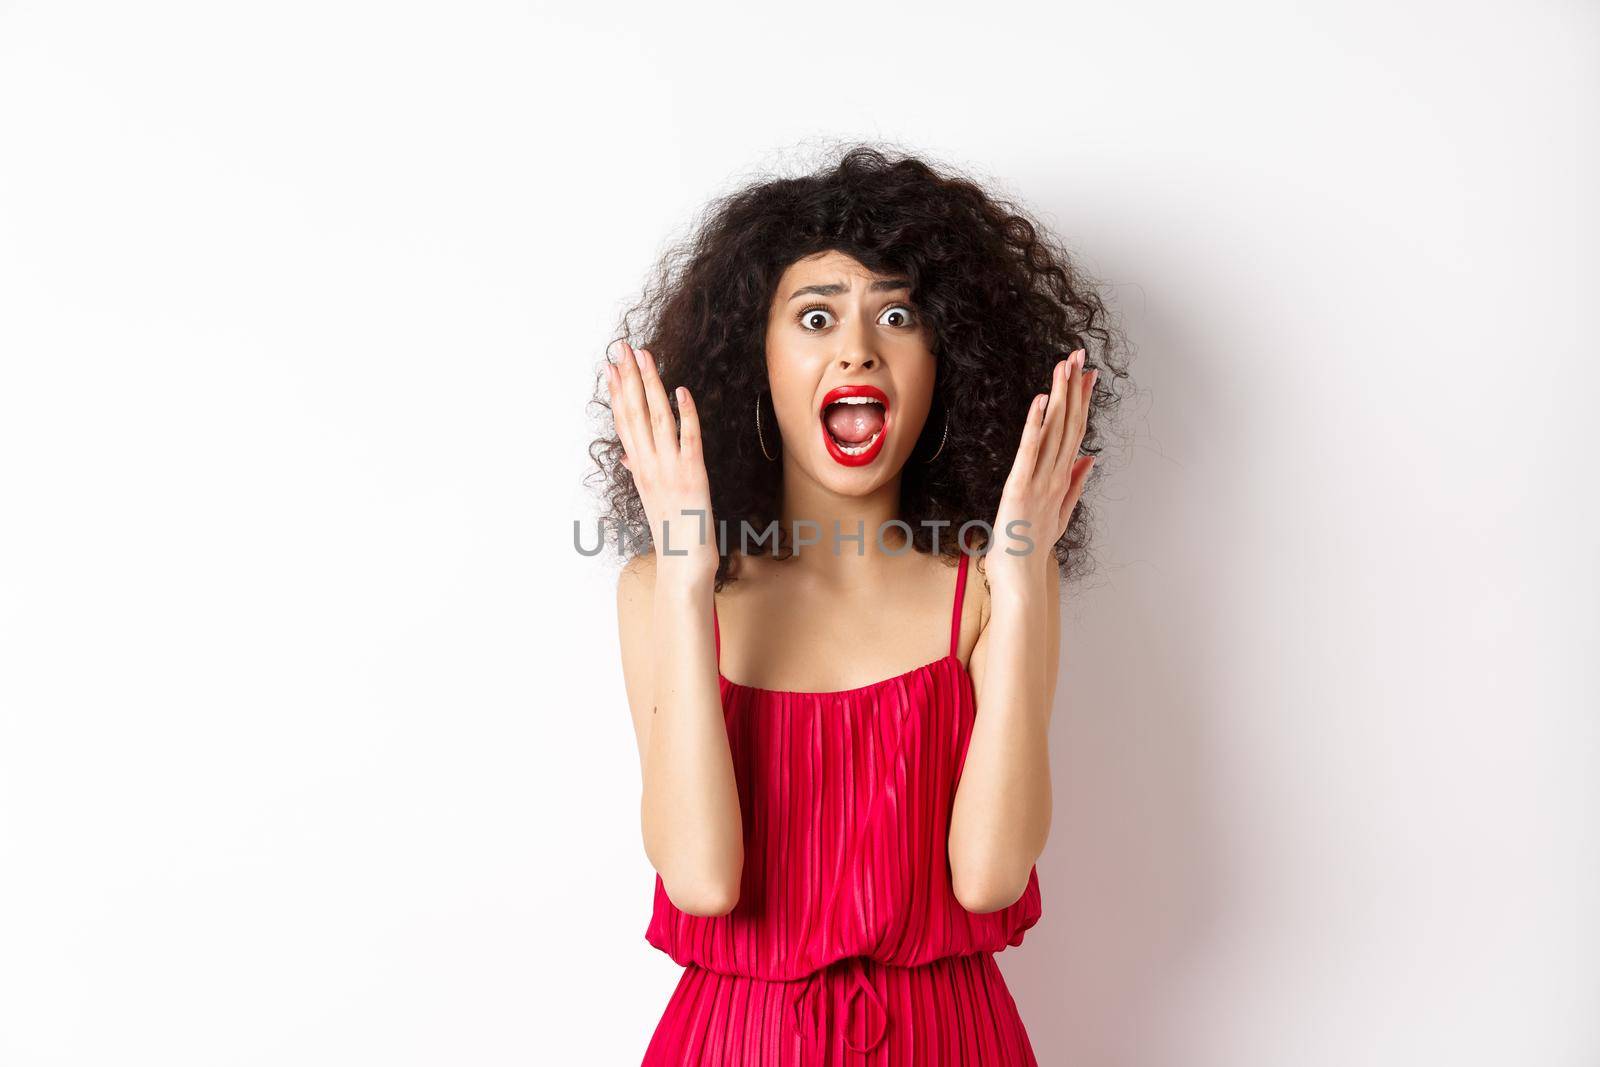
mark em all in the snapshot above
pixel 856 450
pixel 856 400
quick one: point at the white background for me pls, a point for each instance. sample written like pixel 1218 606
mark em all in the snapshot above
pixel 314 747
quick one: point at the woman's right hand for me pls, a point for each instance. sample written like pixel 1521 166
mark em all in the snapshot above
pixel 669 469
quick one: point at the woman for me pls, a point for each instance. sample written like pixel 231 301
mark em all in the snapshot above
pixel 846 375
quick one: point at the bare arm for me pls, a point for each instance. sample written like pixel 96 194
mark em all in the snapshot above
pixel 689 807
pixel 1001 815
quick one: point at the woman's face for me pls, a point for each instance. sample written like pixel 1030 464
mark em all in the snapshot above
pixel 852 369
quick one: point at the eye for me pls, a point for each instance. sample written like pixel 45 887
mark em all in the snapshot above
pixel 904 312
pixel 810 314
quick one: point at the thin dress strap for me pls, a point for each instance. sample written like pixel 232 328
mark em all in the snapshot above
pixel 955 614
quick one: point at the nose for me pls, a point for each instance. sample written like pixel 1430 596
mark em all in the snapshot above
pixel 857 352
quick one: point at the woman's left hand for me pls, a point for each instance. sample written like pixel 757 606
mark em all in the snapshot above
pixel 1045 482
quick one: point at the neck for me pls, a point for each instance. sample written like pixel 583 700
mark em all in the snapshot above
pixel 806 501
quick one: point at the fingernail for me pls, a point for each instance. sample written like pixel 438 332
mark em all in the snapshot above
pixel 682 394
pixel 639 354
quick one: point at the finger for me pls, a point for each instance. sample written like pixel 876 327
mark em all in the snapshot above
pixel 689 443
pixel 1023 466
pixel 662 426
pixel 614 395
pixel 1054 416
pixel 613 385
pixel 635 410
pixel 1078 419
pixel 620 407
pixel 1066 446
pixel 1080 477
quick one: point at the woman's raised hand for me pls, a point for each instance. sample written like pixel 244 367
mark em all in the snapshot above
pixel 1046 479
pixel 669 469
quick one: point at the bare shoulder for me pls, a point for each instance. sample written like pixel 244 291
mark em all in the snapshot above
pixel 1053 579
pixel 642 566
pixel 637 581
pixel 977 599
pixel 636 586
pixel 635 600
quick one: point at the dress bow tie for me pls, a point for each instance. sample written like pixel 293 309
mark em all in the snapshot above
pixel 812 1008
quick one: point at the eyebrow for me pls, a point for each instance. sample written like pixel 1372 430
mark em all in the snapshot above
pixel 835 288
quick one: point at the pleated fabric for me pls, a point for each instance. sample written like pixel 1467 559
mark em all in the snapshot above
pixel 848 945
pixel 952 1012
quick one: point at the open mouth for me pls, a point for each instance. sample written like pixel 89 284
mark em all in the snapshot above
pixel 855 423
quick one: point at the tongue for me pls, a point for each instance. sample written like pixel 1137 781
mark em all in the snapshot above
pixel 852 424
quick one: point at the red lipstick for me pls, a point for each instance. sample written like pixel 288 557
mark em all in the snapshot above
pixel 849 455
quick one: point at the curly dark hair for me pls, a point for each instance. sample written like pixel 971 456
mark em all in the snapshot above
pixel 1002 299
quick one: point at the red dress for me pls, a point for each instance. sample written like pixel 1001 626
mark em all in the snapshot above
pixel 848 945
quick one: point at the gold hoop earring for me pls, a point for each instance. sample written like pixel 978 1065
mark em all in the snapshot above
pixel 942 439
pixel 761 440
